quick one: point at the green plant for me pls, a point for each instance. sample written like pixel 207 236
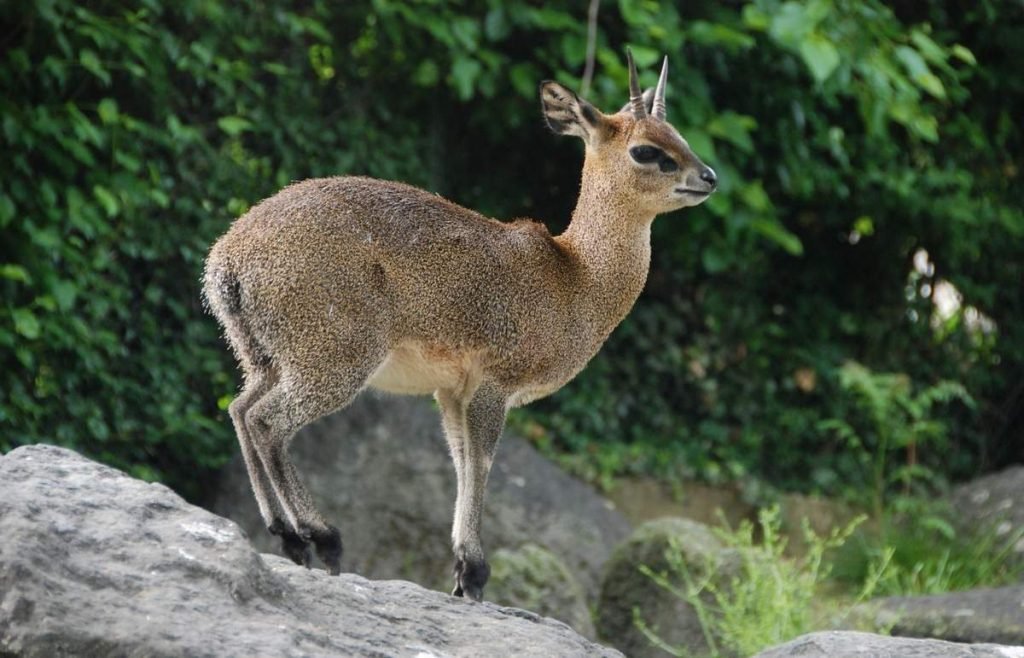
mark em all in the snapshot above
pixel 893 418
pixel 769 600
pixel 918 551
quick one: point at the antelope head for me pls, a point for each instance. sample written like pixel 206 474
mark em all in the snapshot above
pixel 635 152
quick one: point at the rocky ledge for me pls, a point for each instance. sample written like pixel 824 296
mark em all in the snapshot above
pixel 849 644
pixel 96 563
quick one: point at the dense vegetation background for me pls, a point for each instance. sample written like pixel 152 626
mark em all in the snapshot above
pixel 844 315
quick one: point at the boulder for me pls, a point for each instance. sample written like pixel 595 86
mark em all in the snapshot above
pixel 642 499
pixel 95 563
pixel 980 615
pixel 849 644
pixel 821 515
pixel 380 470
pixel 625 589
pixel 534 578
pixel 994 503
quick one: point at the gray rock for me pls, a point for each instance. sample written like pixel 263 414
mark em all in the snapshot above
pixel 95 563
pixel 381 471
pixel 994 503
pixel 980 615
pixel 849 644
pixel 534 578
pixel 625 588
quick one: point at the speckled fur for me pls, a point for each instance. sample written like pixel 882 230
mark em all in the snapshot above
pixel 337 284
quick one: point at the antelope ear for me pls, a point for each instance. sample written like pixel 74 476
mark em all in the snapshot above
pixel 568 114
pixel 648 103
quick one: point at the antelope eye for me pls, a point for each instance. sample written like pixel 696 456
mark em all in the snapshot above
pixel 646 154
pixel 667 164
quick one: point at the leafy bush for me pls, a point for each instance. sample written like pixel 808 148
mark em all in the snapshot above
pixel 132 137
pixel 893 418
pixel 771 600
pixel 915 549
pixel 733 358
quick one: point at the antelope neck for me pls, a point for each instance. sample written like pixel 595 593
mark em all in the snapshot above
pixel 611 242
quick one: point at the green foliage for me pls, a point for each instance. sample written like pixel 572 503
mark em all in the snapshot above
pixel 915 549
pixel 770 599
pixel 893 419
pixel 847 136
pixel 132 136
pixel 733 358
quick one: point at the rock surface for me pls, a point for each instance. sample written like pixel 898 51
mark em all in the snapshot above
pixel 980 615
pixel 625 588
pixel 642 499
pixel 534 578
pixel 849 644
pixel 95 563
pixel 380 471
pixel 994 503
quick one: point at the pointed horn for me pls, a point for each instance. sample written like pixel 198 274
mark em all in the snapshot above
pixel 659 92
pixel 636 98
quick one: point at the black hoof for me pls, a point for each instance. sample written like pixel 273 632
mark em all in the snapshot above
pixel 470 578
pixel 295 548
pixel 328 548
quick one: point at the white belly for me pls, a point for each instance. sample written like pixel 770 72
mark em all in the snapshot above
pixel 413 369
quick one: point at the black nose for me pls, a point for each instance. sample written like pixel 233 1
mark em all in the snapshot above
pixel 708 176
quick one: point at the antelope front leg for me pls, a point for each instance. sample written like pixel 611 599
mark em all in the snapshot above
pixel 485 418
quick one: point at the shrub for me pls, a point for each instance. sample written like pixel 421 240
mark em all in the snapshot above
pixel 772 599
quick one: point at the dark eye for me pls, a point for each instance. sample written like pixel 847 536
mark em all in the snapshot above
pixel 667 164
pixel 646 154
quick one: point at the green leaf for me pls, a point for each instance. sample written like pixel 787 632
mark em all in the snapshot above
pixel 88 59
pixel 734 128
pixel 276 68
pixel 97 428
pixel 820 56
pixel 26 323
pixel 7 210
pixel 107 200
pixel 426 74
pixel 777 233
pixel 466 31
pixel 464 74
pixel 107 110
pixel 931 83
pixel 755 197
pixel 496 25
pixel 524 79
pixel 644 57
pixel 794 21
pixel 14 273
pixel 928 48
pixel 919 71
pixel 64 292
pixel 234 125
pixel 574 49
pixel 864 225
pixel 755 18
pixel 926 127
pixel 963 54
pixel 717 34
pixel 701 143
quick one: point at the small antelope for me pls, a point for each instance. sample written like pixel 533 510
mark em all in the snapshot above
pixel 337 284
